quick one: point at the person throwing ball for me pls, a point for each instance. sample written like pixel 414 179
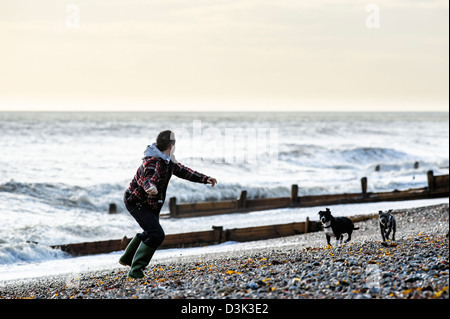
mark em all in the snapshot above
pixel 145 197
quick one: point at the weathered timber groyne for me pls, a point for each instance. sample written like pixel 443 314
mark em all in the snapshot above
pixel 438 186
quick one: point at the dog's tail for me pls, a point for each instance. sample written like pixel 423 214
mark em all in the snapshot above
pixel 355 228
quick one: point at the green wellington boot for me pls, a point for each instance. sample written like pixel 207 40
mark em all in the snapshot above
pixel 141 259
pixel 128 255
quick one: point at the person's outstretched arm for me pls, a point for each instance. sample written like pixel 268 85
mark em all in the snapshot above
pixel 189 174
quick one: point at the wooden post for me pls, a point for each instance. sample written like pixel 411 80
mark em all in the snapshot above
pixel 218 234
pixel 173 207
pixel 112 208
pixel 364 187
pixel 306 225
pixel 124 242
pixel 294 195
pixel 242 201
pixel 430 177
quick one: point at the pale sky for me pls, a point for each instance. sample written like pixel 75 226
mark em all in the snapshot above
pixel 224 55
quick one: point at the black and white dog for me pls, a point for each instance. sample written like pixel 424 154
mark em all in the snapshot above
pixel 336 226
pixel 387 224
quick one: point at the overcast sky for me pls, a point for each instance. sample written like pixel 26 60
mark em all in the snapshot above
pixel 244 55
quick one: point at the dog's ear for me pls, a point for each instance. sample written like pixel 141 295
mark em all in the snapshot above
pixel 380 212
pixel 327 209
pixel 390 211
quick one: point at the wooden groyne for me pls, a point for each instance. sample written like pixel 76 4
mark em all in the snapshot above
pixel 438 186
pixel 215 236
pixel 202 238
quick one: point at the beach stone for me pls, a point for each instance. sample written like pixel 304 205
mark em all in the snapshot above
pixel 253 285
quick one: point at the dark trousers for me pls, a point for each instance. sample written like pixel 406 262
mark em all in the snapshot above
pixel 153 234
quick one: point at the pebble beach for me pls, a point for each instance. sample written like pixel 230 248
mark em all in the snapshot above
pixel 415 266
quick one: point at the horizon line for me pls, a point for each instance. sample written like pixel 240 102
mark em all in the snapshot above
pixel 222 111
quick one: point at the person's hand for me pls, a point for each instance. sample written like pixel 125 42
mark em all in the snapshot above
pixel 211 181
pixel 152 191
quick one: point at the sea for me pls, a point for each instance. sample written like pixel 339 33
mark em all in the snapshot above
pixel 61 171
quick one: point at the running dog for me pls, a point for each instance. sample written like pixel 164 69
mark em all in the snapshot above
pixel 387 224
pixel 336 226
